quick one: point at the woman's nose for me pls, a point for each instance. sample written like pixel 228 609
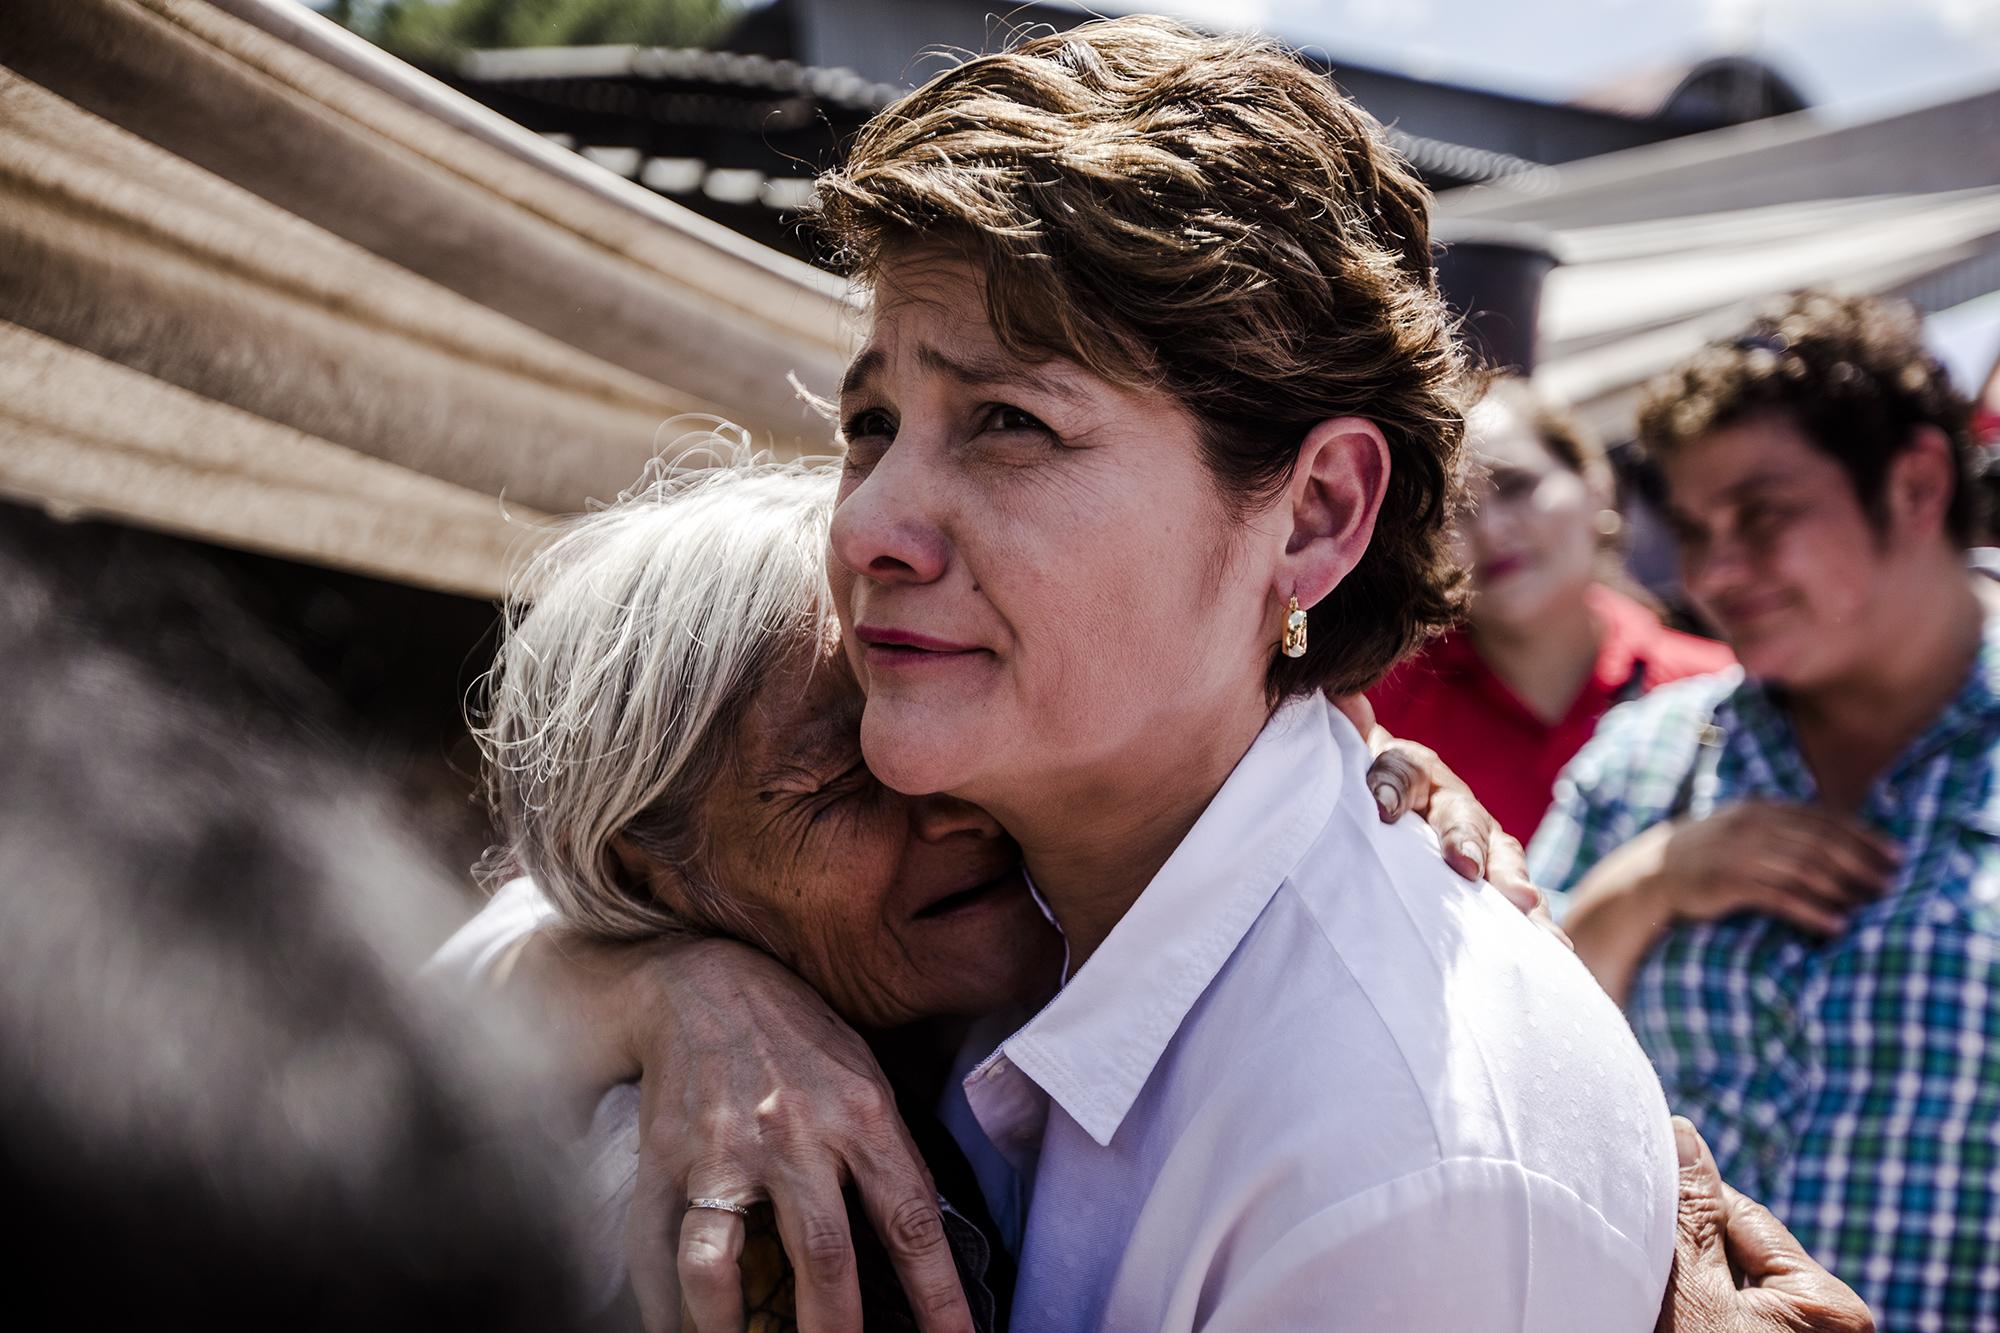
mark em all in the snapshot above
pixel 935 818
pixel 882 527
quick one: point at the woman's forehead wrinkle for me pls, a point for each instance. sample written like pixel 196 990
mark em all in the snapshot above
pixel 967 368
pixel 983 368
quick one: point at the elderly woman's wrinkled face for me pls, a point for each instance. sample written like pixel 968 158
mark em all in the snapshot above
pixel 1037 576
pixel 893 908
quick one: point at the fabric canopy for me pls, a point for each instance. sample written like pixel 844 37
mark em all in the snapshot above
pixel 261 284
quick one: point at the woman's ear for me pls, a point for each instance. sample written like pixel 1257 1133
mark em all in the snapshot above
pixel 641 873
pixel 633 869
pixel 1918 489
pixel 1335 493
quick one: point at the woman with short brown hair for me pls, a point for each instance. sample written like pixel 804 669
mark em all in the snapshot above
pixel 1151 443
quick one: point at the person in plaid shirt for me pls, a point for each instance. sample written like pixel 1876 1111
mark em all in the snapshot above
pixel 1789 872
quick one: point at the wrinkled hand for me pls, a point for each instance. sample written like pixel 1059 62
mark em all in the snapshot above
pixel 1809 866
pixel 754 1089
pixel 1781 1291
pixel 1410 778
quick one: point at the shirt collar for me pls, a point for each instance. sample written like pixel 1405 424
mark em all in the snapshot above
pixel 1092 1049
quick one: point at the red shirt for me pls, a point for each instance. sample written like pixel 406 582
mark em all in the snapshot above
pixel 1446 697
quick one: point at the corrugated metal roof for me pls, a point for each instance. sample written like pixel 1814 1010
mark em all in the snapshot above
pixel 1439 160
pixel 753 73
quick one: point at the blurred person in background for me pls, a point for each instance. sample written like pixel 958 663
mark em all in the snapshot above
pixel 1790 874
pixel 225 1100
pixel 1554 635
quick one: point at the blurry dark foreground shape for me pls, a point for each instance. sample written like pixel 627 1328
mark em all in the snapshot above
pixel 225 1099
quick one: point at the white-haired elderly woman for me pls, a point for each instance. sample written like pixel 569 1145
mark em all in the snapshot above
pixel 672 751
pixel 672 743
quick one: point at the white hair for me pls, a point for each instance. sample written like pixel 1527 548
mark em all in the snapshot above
pixel 633 646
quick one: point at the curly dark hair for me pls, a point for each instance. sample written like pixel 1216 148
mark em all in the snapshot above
pixel 1209 217
pixel 1850 371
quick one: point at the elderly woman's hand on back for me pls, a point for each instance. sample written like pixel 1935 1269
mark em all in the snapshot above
pixel 752 1088
pixel 1723 1235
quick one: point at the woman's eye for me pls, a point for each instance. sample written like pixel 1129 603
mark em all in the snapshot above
pixel 871 424
pixel 1003 417
pixel 866 436
pixel 854 781
pixel 1761 522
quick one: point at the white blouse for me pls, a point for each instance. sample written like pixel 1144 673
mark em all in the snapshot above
pixel 1314 1080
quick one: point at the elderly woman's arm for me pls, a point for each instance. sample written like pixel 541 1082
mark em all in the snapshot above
pixel 751 1087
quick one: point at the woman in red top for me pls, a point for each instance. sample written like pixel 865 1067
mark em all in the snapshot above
pixel 1549 645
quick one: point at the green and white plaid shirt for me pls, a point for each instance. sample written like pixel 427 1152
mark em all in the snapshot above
pixel 1852 1085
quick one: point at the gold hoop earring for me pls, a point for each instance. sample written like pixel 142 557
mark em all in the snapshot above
pixel 1295 630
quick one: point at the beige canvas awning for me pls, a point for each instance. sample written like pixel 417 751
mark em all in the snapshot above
pixel 261 284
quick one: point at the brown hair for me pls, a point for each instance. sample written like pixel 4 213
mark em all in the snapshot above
pixel 1208 217
pixel 1850 371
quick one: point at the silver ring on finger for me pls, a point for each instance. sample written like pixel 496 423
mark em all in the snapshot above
pixel 719 1205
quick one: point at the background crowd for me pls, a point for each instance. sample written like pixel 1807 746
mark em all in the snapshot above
pixel 1782 869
